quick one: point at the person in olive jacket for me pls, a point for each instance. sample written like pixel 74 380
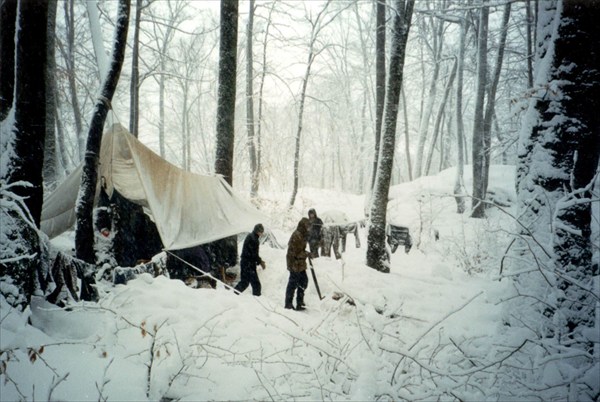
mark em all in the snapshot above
pixel 296 264
pixel 249 259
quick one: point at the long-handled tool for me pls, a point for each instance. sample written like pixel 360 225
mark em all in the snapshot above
pixel 314 276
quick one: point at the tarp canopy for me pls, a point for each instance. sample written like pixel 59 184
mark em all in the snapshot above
pixel 189 209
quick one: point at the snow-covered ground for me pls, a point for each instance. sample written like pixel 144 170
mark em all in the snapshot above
pixel 431 329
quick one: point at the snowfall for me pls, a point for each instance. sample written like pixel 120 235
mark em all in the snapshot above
pixel 431 329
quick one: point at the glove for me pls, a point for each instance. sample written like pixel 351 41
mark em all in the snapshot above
pixel 263 265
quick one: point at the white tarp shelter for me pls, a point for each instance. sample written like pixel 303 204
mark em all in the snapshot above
pixel 189 209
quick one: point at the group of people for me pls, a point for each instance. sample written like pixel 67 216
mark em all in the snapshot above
pixel 307 231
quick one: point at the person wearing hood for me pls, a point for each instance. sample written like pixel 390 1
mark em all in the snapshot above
pixel 314 233
pixel 296 264
pixel 249 259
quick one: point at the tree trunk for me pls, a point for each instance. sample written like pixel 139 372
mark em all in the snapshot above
pixel 299 129
pixel 250 103
pixel 84 234
pixel 8 18
pixel 491 103
pixel 479 142
pixel 226 113
pixel 558 160
pixel 377 256
pixel 316 27
pixel 460 128
pixel 22 143
pixel 260 96
pixel 226 93
pixel 50 153
pixel 438 119
pixel 69 56
pixel 529 33
pixel 406 137
pixel 134 87
pixel 438 44
pixel 379 80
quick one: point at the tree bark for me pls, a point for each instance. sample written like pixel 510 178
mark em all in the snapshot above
pixel 250 102
pixel 69 56
pixel 84 233
pixel 226 114
pixel 377 256
pixel 460 129
pixel 8 18
pixel 227 88
pixel 437 47
pixel 558 159
pixel 316 27
pixel 379 80
pixel 438 119
pixel 23 145
pixel 491 102
pixel 50 153
pixel 134 87
pixel 479 142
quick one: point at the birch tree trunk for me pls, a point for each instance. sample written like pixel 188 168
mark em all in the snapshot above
pixel 377 255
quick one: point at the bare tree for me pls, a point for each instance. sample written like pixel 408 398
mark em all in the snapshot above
pixel 263 75
pixel 68 53
pixel 227 88
pixel 134 87
pixel 317 25
pixel 50 152
pixel 377 256
pixel 226 112
pixel 437 25
pixel 439 116
pixel 490 108
pixel 478 206
pixel 250 102
pixel 460 128
pixel 84 234
pixel 380 28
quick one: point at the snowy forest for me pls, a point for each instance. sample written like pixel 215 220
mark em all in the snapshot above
pixel 456 143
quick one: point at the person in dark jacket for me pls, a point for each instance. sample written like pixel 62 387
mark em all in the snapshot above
pixel 249 259
pixel 314 234
pixel 296 264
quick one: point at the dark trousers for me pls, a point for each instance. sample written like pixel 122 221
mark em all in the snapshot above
pixel 249 277
pixel 297 281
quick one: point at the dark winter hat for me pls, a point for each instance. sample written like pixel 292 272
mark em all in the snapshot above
pixel 259 228
pixel 312 211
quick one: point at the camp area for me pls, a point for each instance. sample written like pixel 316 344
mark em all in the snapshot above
pixel 299 200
